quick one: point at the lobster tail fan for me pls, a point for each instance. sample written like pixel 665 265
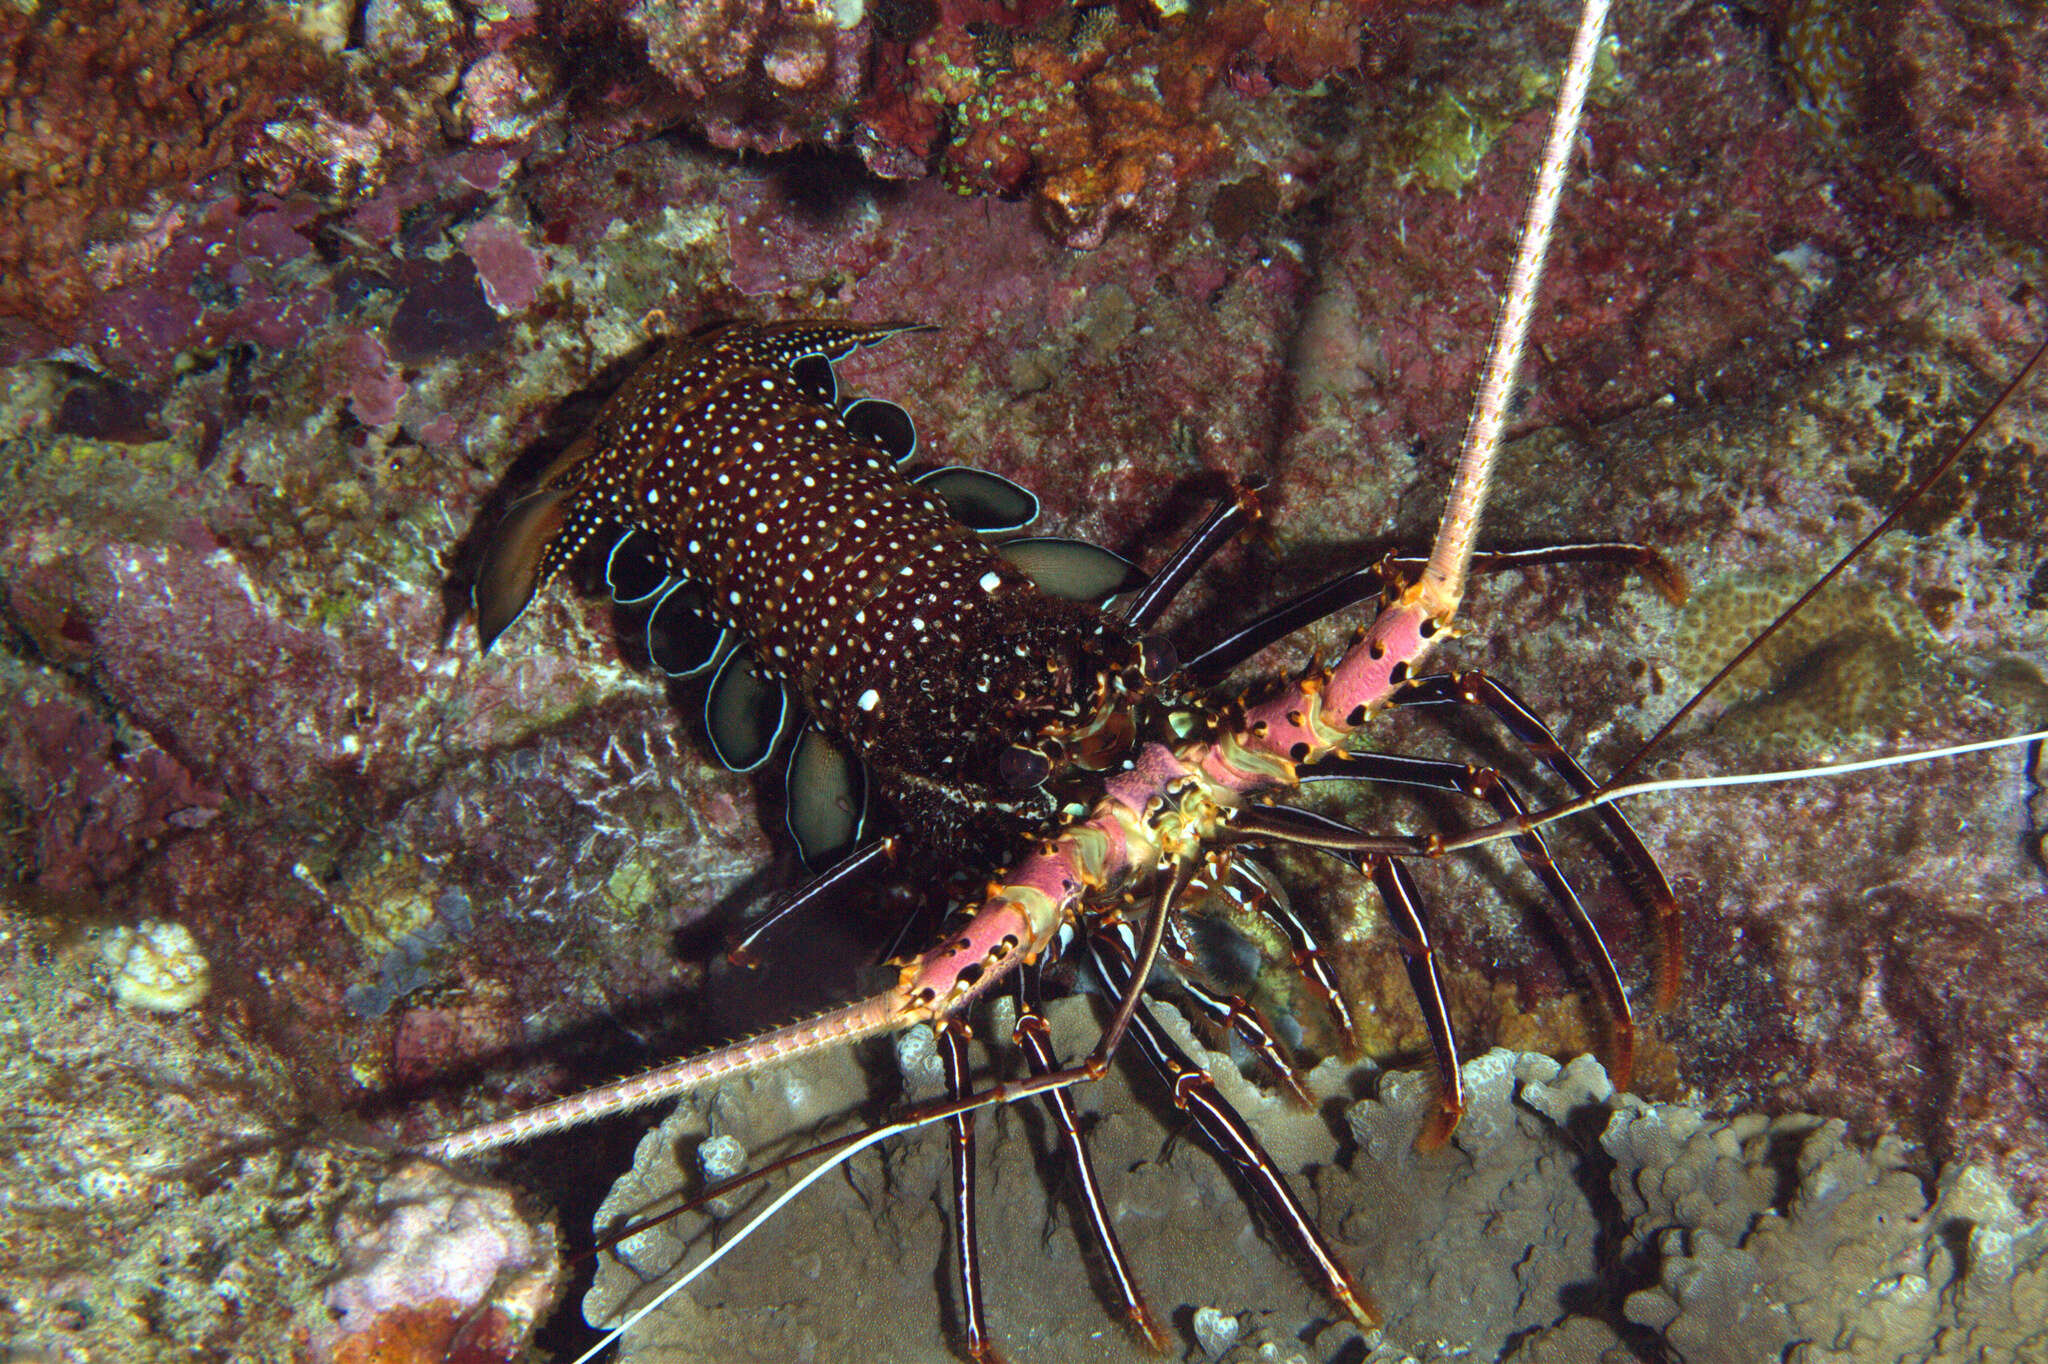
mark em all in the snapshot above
pixel 511 571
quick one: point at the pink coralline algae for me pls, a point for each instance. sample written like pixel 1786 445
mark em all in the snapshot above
pixel 509 95
pixel 105 804
pixel 239 270
pixel 175 613
pixel 1976 93
pixel 1649 299
pixel 373 387
pixel 510 269
pixel 437 1268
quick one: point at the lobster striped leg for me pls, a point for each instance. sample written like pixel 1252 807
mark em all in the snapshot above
pixel 1486 784
pixel 1034 1036
pixel 953 1037
pixel 1195 1093
pixel 1238 879
pixel 1475 688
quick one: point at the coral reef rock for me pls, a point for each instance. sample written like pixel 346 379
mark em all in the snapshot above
pixel 297 296
pixel 1563 1222
pixel 162 1197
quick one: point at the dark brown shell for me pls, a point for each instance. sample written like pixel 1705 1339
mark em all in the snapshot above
pixel 906 636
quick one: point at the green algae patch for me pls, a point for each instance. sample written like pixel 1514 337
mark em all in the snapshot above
pixel 1446 143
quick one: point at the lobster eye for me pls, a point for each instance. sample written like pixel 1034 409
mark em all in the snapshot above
pixel 1157 658
pixel 1021 767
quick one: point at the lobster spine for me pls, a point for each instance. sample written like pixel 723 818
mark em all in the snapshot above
pixel 1290 730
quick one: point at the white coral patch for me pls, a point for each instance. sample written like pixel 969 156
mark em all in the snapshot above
pixel 157 965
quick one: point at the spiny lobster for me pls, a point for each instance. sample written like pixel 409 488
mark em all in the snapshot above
pixel 1178 796
pixel 894 621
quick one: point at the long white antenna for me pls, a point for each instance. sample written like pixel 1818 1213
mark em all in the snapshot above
pixel 775 1205
pixel 1509 828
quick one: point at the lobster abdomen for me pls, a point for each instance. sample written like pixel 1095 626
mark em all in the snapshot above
pixel 906 636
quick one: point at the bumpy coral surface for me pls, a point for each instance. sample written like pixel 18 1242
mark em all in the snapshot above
pixel 1563 1222
pixel 245 485
pixel 764 75
pixel 109 102
pixel 434 1268
pixel 1977 98
pixel 1100 118
pixel 157 966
